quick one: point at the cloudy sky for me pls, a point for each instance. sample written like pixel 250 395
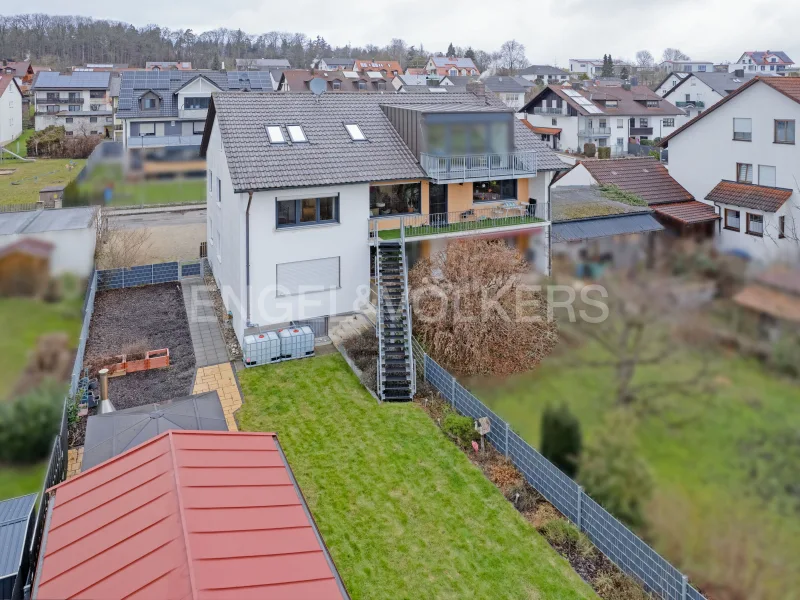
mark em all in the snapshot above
pixel 552 30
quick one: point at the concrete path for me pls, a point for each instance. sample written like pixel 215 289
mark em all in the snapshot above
pixel 209 345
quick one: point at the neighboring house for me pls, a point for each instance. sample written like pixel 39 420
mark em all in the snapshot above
pixel 687 66
pixel 545 73
pixel 261 64
pixel 114 87
pixel 700 91
pixel 510 91
pixel 604 115
pixel 10 109
pixel 79 101
pixel 456 80
pixel 336 64
pixel 17 522
pixel 451 65
pixel 762 63
pixel 415 80
pixel 592 67
pixel 299 80
pixel 186 514
pixel 296 182
pixel 71 232
pixel 168 109
pixel 114 68
pixel 24 72
pixel 167 66
pixel 672 205
pixel 669 82
pixel 741 155
pixel 387 68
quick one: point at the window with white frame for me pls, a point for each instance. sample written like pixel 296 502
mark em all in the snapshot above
pixel 744 173
pixel 766 175
pixel 669 122
pixel 743 130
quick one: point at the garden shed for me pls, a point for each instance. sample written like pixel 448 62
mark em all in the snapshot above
pixel 16 529
pixel 114 433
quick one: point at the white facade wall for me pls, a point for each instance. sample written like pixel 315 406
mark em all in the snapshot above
pixel 10 114
pixel 704 154
pixel 669 83
pixel 578 176
pixel 81 122
pixel 593 68
pixel 73 250
pixel 694 90
pixel 687 67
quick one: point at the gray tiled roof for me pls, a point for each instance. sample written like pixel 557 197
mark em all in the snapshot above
pixel 167 83
pixel 78 80
pixel 543 70
pixel 722 83
pixel 503 84
pixel 331 157
pixel 14 515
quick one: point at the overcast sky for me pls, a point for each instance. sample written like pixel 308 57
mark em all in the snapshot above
pixel 552 30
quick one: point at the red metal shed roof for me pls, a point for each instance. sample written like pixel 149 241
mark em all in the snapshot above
pixel 188 514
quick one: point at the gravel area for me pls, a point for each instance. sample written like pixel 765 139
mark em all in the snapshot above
pixel 153 316
pixel 77 430
pixel 225 326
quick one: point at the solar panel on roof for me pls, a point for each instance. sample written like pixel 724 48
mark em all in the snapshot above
pixel 350 74
pixel 572 93
pixel 583 101
pixel 594 110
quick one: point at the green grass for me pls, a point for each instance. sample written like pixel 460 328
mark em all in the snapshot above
pixel 402 510
pixel 23 185
pixel 415 231
pixel 710 453
pixel 155 191
pixel 19 146
pixel 19 481
pixel 22 321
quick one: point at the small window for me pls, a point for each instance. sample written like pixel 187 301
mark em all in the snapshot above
pixel 554 122
pixel 732 219
pixel 781 227
pixel 275 134
pixel 109 119
pixel 644 123
pixel 362 85
pixel 669 122
pixel 336 85
pixel 652 104
pixel 620 123
pixel 69 133
pixel 611 104
pixel 743 130
pixel 755 225
pixel 219 190
pixel 210 181
pixel 198 127
pixel 150 103
pixel 296 134
pixel 355 132
pixel 68 119
pixel 744 173
pixel 784 132
pixel 92 119
pixel 766 175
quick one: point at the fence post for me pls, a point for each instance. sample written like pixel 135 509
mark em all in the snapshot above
pixel 152 274
pixel 506 439
pixel 123 277
pixel 684 586
pixel 453 391
pixel 580 508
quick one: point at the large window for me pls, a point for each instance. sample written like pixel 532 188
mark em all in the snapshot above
pixel 309 211
pixel 492 191
pixel 784 132
pixel 97 94
pixel 395 199
pixel 195 103
pixel 744 173
pixel 732 219
pixel 743 130
pixel 755 225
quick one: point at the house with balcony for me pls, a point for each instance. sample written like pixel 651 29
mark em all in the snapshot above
pixel 387 68
pixel 700 91
pixel 153 65
pixel 451 65
pixel 168 108
pixel 334 64
pixel 10 109
pixel 78 101
pixel 262 64
pixel 751 174
pixel 771 62
pixel 545 73
pixel 304 189
pixel 605 115
pixel 686 66
pixel 509 90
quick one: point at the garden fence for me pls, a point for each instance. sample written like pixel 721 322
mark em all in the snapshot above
pixel 114 279
pixel 609 535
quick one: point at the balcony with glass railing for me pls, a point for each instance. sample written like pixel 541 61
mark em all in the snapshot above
pixel 479 167
pixel 548 110
pixel 154 141
pixel 595 132
pixel 691 104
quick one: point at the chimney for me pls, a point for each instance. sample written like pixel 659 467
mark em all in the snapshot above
pixel 477 88
pixel 105 404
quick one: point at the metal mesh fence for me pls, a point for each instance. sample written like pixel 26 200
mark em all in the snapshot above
pixel 610 536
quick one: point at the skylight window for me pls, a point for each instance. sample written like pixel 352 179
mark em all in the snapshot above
pixel 355 132
pixel 296 134
pixel 275 134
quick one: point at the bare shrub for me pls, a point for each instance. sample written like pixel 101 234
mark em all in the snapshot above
pixel 51 360
pixel 505 475
pixel 118 246
pixel 473 314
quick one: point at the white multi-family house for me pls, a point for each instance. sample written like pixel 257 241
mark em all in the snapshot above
pixel 451 65
pixel 687 66
pixel 592 67
pixel 168 108
pixel 604 115
pixel 335 64
pixel 262 64
pixel 762 63
pixel 10 109
pixel 669 82
pixel 700 91
pixel 298 184
pixel 79 101
pixel 545 73
pixel 741 155
pixel 508 89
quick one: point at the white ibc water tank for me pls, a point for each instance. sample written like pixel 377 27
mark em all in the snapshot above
pixel 261 349
pixel 296 342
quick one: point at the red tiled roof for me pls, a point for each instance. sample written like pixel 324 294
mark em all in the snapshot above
pixel 688 212
pixel 188 514
pixel 769 301
pixel 781 277
pixel 5 81
pixel 747 195
pixel 543 130
pixel 788 86
pixel 646 177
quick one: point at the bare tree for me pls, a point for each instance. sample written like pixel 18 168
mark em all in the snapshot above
pixel 644 59
pixel 673 54
pixel 512 57
pixel 118 246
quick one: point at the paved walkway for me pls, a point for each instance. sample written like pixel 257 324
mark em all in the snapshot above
pixel 209 345
pixel 74 462
pixel 220 378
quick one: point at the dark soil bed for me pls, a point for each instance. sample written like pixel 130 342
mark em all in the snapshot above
pixel 151 317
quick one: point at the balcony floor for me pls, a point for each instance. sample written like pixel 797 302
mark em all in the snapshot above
pixel 462 228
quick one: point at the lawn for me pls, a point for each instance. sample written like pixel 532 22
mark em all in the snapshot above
pixel 402 510
pixel 19 146
pixel 18 481
pixel 711 454
pixel 155 191
pixel 22 321
pixel 23 185
pixel 415 231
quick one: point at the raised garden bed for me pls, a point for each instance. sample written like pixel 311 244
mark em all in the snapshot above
pixel 132 320
pixel 152 359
